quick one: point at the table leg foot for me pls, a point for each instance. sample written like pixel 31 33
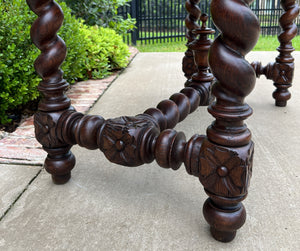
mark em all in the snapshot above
pixel 61 179
pixel 59 164
pixel 224 220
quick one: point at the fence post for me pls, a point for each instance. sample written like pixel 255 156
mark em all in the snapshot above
pixel 134 33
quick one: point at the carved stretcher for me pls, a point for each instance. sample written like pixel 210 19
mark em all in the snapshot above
pixel 222 159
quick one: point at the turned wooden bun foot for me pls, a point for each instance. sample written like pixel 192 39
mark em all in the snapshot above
pixel 61 179
pixel 281 95
pixel 224 221
pixel 281 103
pixel 222 236
pixel 59 164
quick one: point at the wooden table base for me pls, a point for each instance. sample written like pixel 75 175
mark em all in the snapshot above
pixel 222 159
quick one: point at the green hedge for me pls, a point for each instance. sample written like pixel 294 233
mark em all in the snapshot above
pixel 103 13
pixel 92 53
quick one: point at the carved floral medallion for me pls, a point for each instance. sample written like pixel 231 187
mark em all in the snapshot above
pixel 121 139
pixel 225 172
pixel 283 73
pixel 45 130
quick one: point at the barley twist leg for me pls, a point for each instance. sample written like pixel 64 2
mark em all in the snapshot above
pixel 227 161
pixel 54 103
pixel 284 65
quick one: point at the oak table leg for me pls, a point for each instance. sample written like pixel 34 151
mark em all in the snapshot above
pixel 227 160
pixel 282 70
pixel 188 64
pixel 54 103
pixel 284 66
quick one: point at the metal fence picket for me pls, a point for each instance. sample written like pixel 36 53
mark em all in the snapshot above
pixel 163 20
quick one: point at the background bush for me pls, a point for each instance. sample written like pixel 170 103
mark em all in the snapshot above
pixel 92 53
pixel 103 13
pixel 17 54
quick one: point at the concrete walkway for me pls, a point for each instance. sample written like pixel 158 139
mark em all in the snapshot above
pixel 109 207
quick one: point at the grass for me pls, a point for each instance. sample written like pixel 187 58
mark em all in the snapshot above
pixel 178 46
pixel 265 43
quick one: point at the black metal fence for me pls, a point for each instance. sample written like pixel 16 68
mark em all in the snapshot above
pixel 163 20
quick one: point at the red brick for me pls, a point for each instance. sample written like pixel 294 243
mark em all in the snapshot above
pixel 13 152
pixel 23 132
pixel 83 101
pixel 82 109
pixel 19 142
pixel 27 122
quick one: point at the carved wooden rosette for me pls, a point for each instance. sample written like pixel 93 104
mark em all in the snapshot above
pixel 226 171
pixel 128 140
pixel 282 71
pixel 194 12
pixel 60 160
pixel 226 159
pixel 202 79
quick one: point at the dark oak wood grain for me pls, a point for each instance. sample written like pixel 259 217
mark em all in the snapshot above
pixel 54 103
pixel 222 159
pixel 227 160
pixel 202 79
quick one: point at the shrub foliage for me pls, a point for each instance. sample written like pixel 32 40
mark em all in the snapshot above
pixel 102 13
pixel 92 53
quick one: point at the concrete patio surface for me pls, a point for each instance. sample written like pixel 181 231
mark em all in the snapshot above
pixel 110 207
